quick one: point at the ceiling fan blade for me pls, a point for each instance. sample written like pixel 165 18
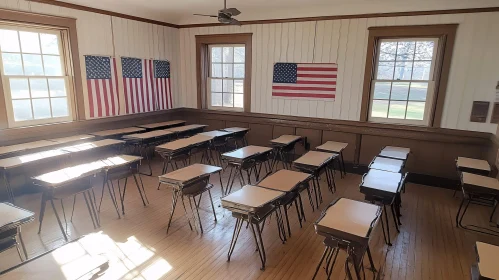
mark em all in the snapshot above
pixel 205 15
pixel 235 22
pixel 232 11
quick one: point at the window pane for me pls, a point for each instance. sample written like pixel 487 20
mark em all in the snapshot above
pixel 238 70
pixel 228 70
pixel 29 42
pixel 239 54
pixel 32 64
pixel 379 108
pixel 405 50
pixel 397 110
pixel 385 70
pixel 216 54
pixel 216 99
pixel 9 41
pixel 41 108
pixel 38 88
pixel 387 51
pixel 52 64
pixel 22 110
pixel 399 91
pixel 382 90
pixel 50 45
pixel 216 85
pixel 19 88
pixel 403 71
pixel 228 100
pixel 12 64
pixel 421 70
pixel 238 86
pixel 57 87
pixel 59 107
pixel 415 110
pixel 424 50
pixel 228 54
pixel 418 91
pixel 228 86
pixel 238 100
pixel 216 70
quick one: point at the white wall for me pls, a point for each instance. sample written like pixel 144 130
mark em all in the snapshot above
pixel 473 77
pixel 131 38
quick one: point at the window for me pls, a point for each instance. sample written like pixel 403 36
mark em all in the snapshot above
pixel 226 78
pixel 34 75
pixel 402 90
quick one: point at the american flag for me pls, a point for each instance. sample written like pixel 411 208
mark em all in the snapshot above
pixel 306 80
pixel 162 85
pixel 138 85
pixel 102 85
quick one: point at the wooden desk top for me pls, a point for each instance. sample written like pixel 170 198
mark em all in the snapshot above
pixel 216 133
pixel 387 164
pixel 13 162
pixel 487 264
pixel 114 132
pixel 472 163
pixel 350 216
pixel 74 138
pixel 81 259
pixel 252 196
pixel 161 124
pixel 284 180
pixel 236 129
pixel 190 172
pixel 148 135
pixel 382 180
pixel 479 180
pixel 314 158
pixel 285 139
pixel 119 160
pixel 395 152
pixel 186 127
pixel 331 146
pixel 92 145
pixel 26 146
pixel 69 174
pixel 246 152
pixel 13 215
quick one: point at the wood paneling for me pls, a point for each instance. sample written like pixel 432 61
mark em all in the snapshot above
pixel 213 124
pixel 314 138
pixel 260 134
pixel 282 130
pixel 350 138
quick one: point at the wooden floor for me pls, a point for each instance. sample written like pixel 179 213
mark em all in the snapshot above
pixel 429 245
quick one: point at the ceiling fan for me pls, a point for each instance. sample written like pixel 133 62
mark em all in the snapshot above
pixel 225 15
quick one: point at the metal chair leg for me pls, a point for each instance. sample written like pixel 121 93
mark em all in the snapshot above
pixel 22 242
pixel 212 206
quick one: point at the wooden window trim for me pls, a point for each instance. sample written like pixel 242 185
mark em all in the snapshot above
pixel 202 64
pixel 69 26
pixel 446 33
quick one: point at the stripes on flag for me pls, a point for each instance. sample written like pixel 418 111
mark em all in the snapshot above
pixel 305 80
pixel 162 85
pixel 138 85
pixel 102 85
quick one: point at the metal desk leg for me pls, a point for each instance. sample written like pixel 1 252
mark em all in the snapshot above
pixel 58 220
pixel 259 243
pixel 146 156
pixel 42 211
pixel 235 235
pixel 165 167
pixel 6 181
pixel 371 262
pixel 326 252
pixel 175 195
pixel 343 164
pixel 22 242
pixel 389 243
pixel 94 222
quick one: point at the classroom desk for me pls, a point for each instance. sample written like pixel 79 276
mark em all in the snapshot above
pixel 487 267
pixel 95 145
pixel 11 220
pixel 284 146
pixel 239 135
pixel 253 204
pixel 13 150
pixel 292 183
pixel 246 158
pixel 471 165
pixel 117 133
pixel 187 130
pixel 315 163
pixel 384 187
pixel 347 225
pixel 219 142
pixel 395 152
pixel 162 125
pixel 336 148
pixel 73 139
pixel 191 181
pixel 84 258
pixel 387 164
pixel 481 190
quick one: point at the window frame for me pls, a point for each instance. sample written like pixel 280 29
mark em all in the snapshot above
pixel 203 66
pixel 64 68
pixel 445 33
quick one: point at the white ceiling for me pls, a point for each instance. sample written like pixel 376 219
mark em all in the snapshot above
pixel 180 11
